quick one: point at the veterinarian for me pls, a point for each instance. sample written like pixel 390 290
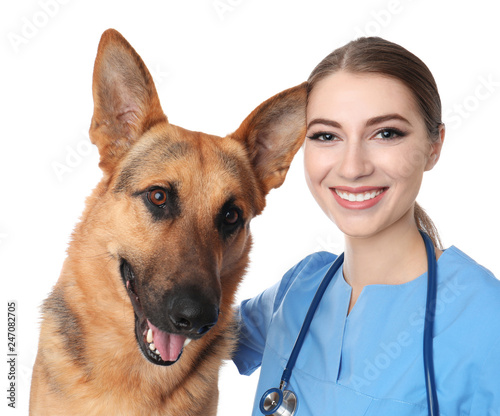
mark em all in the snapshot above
pixel 378 343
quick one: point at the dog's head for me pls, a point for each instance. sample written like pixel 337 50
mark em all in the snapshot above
pixel 174 206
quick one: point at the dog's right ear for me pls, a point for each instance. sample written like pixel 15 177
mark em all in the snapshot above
pixel 126 103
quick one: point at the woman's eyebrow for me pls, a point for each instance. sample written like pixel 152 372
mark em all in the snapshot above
pixel 386 117
pixel 325 121
pixel 370 122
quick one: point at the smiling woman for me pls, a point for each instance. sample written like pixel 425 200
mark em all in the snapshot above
pixel 360 145
pixel 377 56
pixel 373 129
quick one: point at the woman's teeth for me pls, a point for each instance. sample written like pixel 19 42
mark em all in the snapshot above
pixel 363 196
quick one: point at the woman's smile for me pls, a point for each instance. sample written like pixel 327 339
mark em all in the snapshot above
pixel 358 198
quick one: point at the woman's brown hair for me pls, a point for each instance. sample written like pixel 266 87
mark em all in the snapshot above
pixel 379 56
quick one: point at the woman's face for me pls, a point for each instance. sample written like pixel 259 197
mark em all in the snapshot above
pixel 366 150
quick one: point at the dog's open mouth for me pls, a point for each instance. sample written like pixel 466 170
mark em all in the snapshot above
pixel 159 347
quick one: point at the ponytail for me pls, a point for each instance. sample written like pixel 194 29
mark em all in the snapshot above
pixel 424 223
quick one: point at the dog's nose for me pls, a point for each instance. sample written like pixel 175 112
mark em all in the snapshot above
pixel 192 314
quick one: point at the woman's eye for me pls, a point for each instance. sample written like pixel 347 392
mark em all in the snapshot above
pixel 157 197
pixel 324 137
pixel 388 134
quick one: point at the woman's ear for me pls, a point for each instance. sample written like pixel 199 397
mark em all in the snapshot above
pixel 436 149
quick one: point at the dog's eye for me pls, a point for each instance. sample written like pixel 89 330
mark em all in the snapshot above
pixel 157 197
pixel 230 219
pixel 231 216
pixel 162 203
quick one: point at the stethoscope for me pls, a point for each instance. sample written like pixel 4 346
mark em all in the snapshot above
pixel 281 402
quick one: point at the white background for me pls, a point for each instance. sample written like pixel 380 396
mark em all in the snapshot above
pixel 213 62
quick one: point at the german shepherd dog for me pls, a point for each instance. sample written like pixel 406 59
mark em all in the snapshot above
pixel 142 314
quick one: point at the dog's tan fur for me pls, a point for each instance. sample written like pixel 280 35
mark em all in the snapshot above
pixel 88 361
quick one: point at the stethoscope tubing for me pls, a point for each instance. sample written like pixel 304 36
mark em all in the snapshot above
pixel 287 373
pixel 430 313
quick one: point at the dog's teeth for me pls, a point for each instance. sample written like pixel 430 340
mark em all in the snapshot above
pixel 149 336
pixel 186 343
pixel 157 352
pixel 152 347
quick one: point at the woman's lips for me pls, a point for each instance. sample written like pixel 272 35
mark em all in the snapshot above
pixel 358 198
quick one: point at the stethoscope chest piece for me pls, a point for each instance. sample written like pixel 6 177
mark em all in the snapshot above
pixel 276 402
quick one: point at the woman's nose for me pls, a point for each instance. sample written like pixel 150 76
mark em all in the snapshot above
pixel 355 161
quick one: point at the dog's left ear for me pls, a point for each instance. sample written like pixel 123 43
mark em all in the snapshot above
pixel 273 133
pixel 126 103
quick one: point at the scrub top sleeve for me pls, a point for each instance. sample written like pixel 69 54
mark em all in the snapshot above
pixel 486 401
pixel 254 317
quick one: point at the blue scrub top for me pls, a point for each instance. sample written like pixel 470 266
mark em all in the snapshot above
pixel 370 362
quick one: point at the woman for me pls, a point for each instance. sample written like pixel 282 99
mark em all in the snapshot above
pixel 373 128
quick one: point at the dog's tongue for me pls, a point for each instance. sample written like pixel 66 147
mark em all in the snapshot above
pixel 168 345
